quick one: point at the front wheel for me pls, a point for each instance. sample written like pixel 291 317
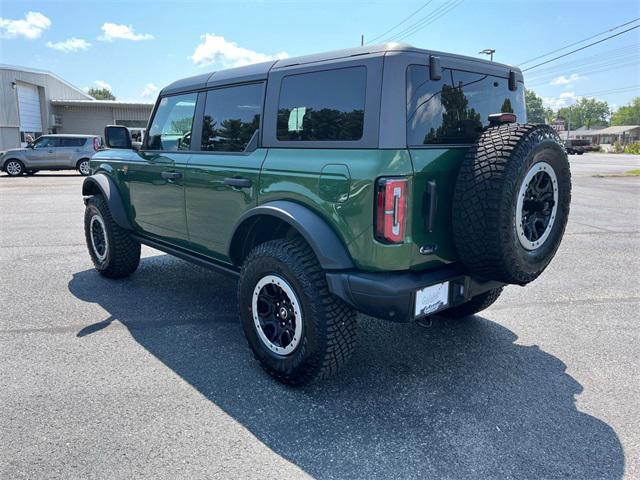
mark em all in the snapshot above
pixel 14 168
pixel 114 252
pixel 297 330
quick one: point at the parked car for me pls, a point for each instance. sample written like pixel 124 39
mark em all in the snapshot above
pixel 579 146
pixel 52 152
pixel 386 179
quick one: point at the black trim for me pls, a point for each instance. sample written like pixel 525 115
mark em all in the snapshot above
pixel 391 295
pixel 101 183
pixel 187 255
pixel 327 246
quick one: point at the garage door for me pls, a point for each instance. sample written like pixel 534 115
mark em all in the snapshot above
pixel 29 108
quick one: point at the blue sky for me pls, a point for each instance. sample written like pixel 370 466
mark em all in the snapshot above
pixel 137 47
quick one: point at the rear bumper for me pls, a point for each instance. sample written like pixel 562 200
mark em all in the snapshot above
pixel 391 295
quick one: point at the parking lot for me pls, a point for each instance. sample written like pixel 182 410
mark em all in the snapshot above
pixel 151 376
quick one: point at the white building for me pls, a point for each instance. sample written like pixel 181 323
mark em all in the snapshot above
pixel 35 102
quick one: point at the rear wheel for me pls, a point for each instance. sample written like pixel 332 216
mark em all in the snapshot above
pixel 14 168
pixel 83 167
pixel 297 330
pixel 473 306
pixel 114 252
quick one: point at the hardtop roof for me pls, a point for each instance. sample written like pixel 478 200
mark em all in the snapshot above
pixel 260 71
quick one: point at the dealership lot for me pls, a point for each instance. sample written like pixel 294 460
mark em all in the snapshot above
pixel 151 376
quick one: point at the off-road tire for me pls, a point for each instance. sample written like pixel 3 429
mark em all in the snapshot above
pixel 473 306
pixel 485 201
pixel 14 173
pixel 328 326
pixel 122 252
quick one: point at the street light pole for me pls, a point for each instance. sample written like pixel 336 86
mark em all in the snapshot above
pixel 488 51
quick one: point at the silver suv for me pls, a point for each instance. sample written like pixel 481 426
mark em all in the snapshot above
pixel 52 152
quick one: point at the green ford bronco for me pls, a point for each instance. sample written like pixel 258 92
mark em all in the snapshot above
pixel 388 180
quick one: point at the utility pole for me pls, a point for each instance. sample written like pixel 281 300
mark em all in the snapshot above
pixel 488 51
pixel 361 40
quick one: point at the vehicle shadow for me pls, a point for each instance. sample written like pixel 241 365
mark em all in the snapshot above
pixel 458 400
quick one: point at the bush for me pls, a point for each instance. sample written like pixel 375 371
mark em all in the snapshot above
pixel 633 148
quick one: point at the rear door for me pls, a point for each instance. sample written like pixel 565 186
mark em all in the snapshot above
pixel 69 151
pixel 222 178
pixel 156 178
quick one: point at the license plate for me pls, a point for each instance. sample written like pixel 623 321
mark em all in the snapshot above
pixel 432 299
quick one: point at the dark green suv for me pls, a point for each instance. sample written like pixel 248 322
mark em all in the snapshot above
pixel 386 179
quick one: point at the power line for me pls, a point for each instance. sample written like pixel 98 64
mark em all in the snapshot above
pixel 598 69
pixel 402 22
pixel 581 48
pixel 578 42
pixel 587 66
pixel 436 14
pixel 420 21
pixel 612 91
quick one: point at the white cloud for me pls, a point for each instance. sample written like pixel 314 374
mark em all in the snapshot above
pixel 70 45
pixel 562 80
pixel 565 99
pixel 30 27
pixel 149 90
pixel 113 31
pixel 103 84
pixel 214 48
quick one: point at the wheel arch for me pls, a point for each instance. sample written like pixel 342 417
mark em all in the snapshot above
pixel 280 219
pixel 101 184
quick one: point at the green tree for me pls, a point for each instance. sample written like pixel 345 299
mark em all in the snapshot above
pixel 536 111
pixel 587 112
pixel 627 115
pixel 101 94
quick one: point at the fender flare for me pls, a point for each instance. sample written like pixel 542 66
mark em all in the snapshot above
pixel 102 184
pixel 325 243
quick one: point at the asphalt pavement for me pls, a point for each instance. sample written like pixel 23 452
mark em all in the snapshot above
pixel 150 377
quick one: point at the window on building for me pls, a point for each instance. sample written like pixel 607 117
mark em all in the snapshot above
pixel 172 122
pixel 322 106
pixel 455 109
pixel 231 117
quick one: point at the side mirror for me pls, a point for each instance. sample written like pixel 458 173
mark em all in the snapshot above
pixel 117 136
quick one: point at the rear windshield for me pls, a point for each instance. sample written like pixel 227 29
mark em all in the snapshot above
pixel 455 109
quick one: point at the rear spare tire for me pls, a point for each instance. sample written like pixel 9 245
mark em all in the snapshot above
pixel 511 202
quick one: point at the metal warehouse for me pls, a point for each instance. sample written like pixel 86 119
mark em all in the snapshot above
pixel 35 102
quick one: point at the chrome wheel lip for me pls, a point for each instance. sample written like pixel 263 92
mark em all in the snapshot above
pixel 13 167
pixel 97 219
pixel 295 304
pixel 84 167
pixel 522 238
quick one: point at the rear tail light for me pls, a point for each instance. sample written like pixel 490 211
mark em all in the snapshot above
pixel 96 143
pixel 391 207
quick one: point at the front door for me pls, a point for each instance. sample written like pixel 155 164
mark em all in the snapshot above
pixel 156 178
pixel 44 153
pixel 223 178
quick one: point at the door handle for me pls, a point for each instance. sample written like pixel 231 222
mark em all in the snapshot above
pixel 171 175
pixel 237 182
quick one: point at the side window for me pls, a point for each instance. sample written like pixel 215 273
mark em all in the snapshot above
pixel 231 117
pixel 455 109
pixel 72 142
pixel 322 106
pixel 46 142
pixel 171 126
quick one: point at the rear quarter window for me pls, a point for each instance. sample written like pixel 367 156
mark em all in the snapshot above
pixel 73 142
pixel 322 106
pixel 455 109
